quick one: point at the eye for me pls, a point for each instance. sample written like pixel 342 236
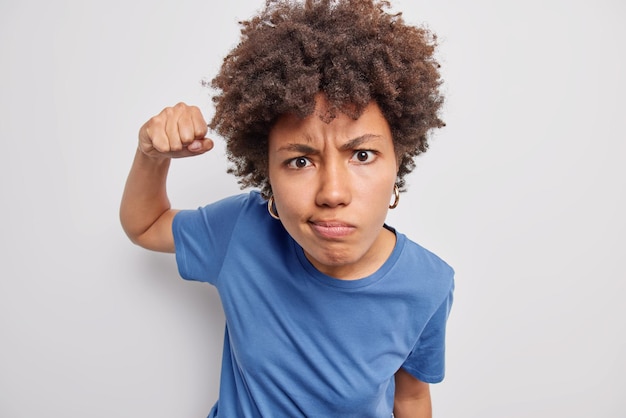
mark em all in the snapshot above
pixel 364 156
pixel 299 162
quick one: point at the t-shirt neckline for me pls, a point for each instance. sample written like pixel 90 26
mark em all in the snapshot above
pixel 327 280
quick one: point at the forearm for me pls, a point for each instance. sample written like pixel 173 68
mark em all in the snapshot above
pixel 412 397
pixel 413 408
pixel 145 199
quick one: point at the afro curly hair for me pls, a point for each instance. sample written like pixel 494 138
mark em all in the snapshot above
pixel 352 51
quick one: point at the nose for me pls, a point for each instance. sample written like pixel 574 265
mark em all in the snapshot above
pixel 333 188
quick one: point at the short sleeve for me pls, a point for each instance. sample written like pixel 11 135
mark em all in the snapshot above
pixel 427 360
pixel 202 237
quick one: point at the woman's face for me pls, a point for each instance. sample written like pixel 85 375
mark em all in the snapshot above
pixel 332 185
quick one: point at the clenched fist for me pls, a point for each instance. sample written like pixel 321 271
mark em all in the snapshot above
pixel 177 131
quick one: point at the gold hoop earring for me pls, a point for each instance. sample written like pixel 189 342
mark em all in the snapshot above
pixel 396 194
pixel 270 208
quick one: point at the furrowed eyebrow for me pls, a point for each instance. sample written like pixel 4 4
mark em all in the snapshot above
pixel 351 144
pixel 358 141
pixel 299 148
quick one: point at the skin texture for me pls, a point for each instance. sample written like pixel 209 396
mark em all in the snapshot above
pixel 412 397
pixel 316 178
pixel 332 185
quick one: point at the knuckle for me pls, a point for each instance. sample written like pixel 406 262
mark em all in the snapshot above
pixel 180 106
pixel 161 146
pixel 175 147
pixel 156 121
pixel 166 113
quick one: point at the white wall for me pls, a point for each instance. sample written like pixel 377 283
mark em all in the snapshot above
pixel 523 193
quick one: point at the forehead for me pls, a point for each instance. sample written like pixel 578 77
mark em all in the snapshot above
pixel 313 128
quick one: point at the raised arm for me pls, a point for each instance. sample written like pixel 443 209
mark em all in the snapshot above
pixel 145 211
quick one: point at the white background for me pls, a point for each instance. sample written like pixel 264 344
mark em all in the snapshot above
pixel 523 193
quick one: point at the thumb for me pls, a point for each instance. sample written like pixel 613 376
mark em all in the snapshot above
pixel 200 146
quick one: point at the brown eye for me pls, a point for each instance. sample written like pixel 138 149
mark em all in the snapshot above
pixel 299 162
pixel 364 156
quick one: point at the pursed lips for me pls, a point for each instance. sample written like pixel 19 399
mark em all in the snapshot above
pixel 331 229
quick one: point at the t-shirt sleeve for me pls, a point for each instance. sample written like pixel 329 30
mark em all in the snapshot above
pixel 202 237
pixel 427 360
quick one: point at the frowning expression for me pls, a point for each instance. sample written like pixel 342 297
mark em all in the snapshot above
pixel 332 184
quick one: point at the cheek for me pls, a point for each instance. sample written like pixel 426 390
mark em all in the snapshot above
pixel 376 185
pixel 290 201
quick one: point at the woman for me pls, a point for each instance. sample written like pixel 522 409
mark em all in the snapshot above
pixel 329 311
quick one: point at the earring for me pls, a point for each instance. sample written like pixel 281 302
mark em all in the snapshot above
pixel 271 209
pixel 396 194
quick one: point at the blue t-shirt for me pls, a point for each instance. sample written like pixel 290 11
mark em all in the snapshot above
pixel 299 343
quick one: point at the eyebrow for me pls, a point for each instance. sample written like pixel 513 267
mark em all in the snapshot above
pixel 356 142
pixel 307 149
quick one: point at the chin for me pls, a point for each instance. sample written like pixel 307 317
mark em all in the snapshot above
pixel 332 259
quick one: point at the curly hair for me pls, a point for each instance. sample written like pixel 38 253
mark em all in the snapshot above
pixel 352 51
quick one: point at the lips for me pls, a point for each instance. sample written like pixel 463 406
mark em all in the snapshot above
pixel 331 229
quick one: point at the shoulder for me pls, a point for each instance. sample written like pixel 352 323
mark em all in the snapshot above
pixel 239 202
pixel 428 259
pixel 204 237
pixel 426 267
pixel 219 220
pixel 229 207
